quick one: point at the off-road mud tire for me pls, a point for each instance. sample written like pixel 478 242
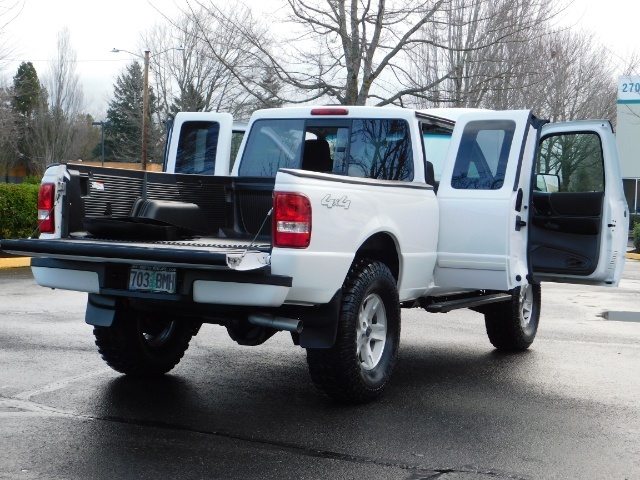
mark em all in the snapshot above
pixel 369 299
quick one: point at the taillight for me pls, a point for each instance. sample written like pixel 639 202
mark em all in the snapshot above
pixel 46 197
pixel 291 220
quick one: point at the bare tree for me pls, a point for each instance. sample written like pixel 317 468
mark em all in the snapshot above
pixel 9 10
pixel 562 74
pixel 578 80
pixel 203 76
pixel 355 52
pixel 477 48
pixel 53 133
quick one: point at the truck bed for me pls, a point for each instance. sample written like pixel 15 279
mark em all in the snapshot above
pixel 228 207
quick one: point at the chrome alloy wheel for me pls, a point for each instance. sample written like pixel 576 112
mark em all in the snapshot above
pixel 372 331
pixel 526 305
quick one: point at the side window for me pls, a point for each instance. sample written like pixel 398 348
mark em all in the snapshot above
pixel 236 140
pixel 483 154
pixel 272 144
pixel 380 149
pixel 197 147
pixel 436 145
pixel 570 163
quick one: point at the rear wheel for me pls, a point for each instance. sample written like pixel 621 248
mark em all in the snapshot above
pixel 358 366
pixel 137 344
pixel 512 325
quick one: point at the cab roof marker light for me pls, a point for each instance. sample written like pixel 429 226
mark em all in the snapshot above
pixel 329 111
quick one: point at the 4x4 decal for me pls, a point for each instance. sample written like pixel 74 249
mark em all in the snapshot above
pixel 329 202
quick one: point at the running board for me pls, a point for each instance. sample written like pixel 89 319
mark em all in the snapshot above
pixel 453 303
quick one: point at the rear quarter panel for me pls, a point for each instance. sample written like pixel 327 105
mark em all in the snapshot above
pixel 345 213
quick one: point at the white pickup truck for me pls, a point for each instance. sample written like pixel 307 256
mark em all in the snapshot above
pixel 335 218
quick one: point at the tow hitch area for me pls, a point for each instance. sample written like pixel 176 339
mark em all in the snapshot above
pixel 248 261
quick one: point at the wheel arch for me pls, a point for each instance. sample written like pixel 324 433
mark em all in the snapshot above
pixel 381 246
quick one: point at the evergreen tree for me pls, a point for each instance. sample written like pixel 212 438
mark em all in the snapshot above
pixel 191 100
pixel 123 139
pixel 26 88
pixel 28 94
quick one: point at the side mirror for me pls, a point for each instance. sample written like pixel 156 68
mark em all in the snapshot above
pixel 547 182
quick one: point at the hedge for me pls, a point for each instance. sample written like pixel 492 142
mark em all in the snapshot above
pixel 636 237
pixel 18 210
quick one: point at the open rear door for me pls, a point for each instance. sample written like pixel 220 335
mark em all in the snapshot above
pixel 579 219
pixel 200 143
pixel 484 201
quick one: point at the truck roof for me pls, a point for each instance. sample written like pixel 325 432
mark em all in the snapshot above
pixel 342 111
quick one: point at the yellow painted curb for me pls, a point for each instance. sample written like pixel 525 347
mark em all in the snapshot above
pixel 15 262
pixel 26 261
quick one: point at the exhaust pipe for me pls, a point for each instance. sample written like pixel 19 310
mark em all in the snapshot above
pixel 279 323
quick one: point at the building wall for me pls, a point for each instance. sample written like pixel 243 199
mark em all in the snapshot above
pixel 628 137
pixel 16 174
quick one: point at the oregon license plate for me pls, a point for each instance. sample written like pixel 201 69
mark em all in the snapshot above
pixel 152 279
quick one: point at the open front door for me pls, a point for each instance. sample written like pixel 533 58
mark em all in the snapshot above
pixel 579 220
pixel 484 201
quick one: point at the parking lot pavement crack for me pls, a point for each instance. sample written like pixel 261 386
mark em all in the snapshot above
pixel 445 473
pixel 418 471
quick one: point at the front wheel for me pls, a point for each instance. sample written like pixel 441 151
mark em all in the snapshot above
pixel 358 366
pixel 512 325
pixel 139 345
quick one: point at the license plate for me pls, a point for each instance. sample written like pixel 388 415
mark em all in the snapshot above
pixel 152 279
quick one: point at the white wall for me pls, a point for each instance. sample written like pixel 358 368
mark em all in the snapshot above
pixel 628 126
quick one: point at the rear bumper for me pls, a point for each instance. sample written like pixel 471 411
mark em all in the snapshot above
pixel 194 285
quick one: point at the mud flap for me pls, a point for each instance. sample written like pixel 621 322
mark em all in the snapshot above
pixel 101 310
pixel 320 324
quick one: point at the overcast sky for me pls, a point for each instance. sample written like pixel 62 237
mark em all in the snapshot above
pixel 98 26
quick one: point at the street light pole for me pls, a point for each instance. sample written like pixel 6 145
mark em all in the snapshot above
pixel 145 109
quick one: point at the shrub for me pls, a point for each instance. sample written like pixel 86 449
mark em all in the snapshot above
pixel 18 210
pixel 636 236
pixel 32 180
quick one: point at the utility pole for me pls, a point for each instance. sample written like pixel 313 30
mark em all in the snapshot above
pixel 145 98
pixel 145 109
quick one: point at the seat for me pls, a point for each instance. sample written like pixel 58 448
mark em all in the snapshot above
pixel 317 156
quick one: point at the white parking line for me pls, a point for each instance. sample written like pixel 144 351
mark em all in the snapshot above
pixel 59 384
pixel 25 408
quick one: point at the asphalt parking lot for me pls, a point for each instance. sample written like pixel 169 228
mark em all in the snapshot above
pixel 567 408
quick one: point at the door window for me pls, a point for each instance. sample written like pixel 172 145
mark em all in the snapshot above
pixel 197 147
pixel 570 163
pixel 483 154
